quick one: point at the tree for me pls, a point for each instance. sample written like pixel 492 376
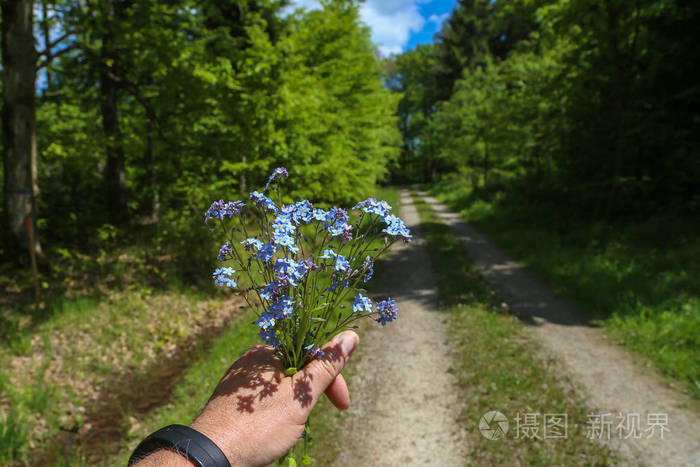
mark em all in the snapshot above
pixel 20 62
pixel 413 76
pixel 19 59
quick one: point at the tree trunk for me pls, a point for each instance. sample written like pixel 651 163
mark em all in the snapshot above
pixel 19 120
pixel 620 84
pixel 47 41
pixel 242 181
pixel 152 172
pixel 486 162
pixel 116 176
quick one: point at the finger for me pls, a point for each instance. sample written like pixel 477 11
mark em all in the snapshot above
pixel 337 392
pixel 319 373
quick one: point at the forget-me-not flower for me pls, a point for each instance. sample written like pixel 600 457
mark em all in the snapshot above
pixel 387 311
pixel 220 210
pixel 362 303
pixel 263 201
pixel 222 277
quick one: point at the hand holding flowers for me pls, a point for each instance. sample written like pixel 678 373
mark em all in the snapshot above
pixel 303 267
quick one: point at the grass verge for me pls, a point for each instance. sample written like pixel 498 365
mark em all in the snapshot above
pixel 74 364
pixel 195 386
pixel 498 368
pixel 638 280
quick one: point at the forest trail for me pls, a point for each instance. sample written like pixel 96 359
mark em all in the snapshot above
pixel 405 400
pixel 612 380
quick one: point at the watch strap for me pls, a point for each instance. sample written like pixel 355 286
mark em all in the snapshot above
pixel 185 441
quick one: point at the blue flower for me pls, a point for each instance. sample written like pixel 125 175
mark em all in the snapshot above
pixel 283 231
pixel 302 211
pixel 220 210
pixel 279 172
pixel 336 222
pixel 371 205
pixel 319 214
pixel 269 336
pixel 336 214
pixel 285 265
pixel 368 265
pixel 222 277
pixel 341 264
pixel 266 320
pixel 327 254
pixel 250 243
pixel 224 252
pixel 314 351
pixel 342 229
pixel 263 201
pixel 267 251
pixel 290 271
pixel 396 227
pixel 283 308
pixel 362 303
pixel 271 290
pixel 387 311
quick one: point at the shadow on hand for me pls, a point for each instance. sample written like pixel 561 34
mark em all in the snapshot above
pixel 253 377
pixel 302 380
pixel 258 374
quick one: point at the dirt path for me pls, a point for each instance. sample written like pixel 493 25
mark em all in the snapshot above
pixel 613 380
pixel 405 398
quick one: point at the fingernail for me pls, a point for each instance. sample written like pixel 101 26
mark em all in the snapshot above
pixel 348 343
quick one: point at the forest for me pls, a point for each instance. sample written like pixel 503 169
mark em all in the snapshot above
pixel 568 131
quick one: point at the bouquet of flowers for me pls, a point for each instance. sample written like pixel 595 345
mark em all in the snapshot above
pixel 302 266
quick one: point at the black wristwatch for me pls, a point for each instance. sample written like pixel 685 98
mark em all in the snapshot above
pixel 185 441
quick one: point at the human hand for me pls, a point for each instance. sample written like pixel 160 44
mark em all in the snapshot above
pixel 257 414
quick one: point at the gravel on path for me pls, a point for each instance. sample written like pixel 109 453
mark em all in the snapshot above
pixel 613 380
pixel 405 400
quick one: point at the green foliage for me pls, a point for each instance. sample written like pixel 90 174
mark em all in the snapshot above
pixel 209 96
pixel 412 74
pixel 13 435
pixel 580 100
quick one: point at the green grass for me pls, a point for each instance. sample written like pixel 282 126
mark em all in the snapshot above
pixel 638 280
pixel 79 347
pixel 498 367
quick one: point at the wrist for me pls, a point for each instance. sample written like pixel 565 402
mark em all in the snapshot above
pixel 194 448
pixel 223 437
pixel 165 457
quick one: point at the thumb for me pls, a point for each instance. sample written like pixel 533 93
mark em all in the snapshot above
pixel 320 372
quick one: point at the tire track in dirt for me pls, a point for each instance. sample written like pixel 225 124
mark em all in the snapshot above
pixel 612 380
pixel 405 400
pixel 132 396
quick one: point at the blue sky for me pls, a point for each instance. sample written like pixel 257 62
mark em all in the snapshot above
pixel 398 25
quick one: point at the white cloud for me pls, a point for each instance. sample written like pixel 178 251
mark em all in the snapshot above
pixel 391 21
pixel 438 19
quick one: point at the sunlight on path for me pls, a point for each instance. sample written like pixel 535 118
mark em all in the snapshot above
pixel 404 406
pixel 613 381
